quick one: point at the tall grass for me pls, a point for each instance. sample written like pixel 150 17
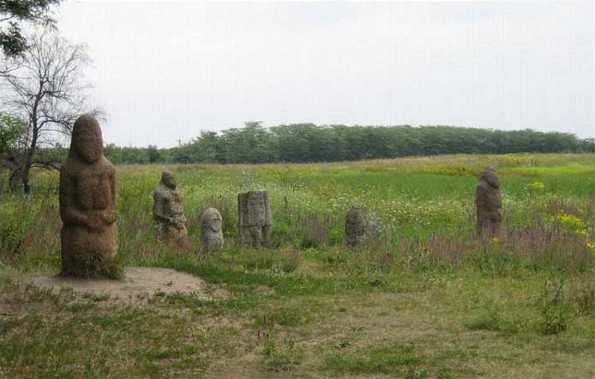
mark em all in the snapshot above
pixel 424 208
pixel 424 298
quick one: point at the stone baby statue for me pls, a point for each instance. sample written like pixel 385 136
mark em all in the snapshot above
pixel 488 200
pixel 87 203
pixel 168 211
pixel 212 234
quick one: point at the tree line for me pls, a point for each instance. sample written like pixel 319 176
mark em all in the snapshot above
pixel 302 143
pixel 43 91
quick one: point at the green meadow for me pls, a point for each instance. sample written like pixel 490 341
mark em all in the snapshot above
pixel 425 298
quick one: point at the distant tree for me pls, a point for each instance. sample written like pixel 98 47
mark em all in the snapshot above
pixel 206 148
pixel 46 90
pixel 14 13
pixel 251 144
pixel 182 154
pixel 294 141
pixel 311 143
pixel 587 145
pixel 11 129
pixel 153 154
pixel 132 155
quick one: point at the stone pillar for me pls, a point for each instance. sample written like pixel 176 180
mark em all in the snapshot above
pixel 488 200
pixel 255 219
pixel 211 232
pixel 356 227
pixel 89 236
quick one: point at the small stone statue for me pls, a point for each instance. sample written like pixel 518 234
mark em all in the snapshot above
pixel 356 227
pixel 212 235
pixel 488 199
pixel 255 219
pixel 89 236
pixel 168 211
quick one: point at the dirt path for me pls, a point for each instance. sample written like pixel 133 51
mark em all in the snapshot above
pixel 137 283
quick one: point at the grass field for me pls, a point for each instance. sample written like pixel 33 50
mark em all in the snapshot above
pixel 425 299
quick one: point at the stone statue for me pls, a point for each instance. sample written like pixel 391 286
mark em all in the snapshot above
pixel 356 227
pixel 488 199
pixel 89 236
pixel 168 211
pixel 212 234
pixel 255 219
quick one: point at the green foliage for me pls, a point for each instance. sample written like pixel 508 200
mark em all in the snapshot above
pixel 122 155
pixel 497 317
pixel 153 154
pixel 395 359
pixel 301 143
pixel 13 14
pixel 312 143
pixel 281 358
pixel 424 299
pixel 555 310
pixel 81 327
pixel 12 239
pixel 584 297
pixel 424 213
pixel 11 128
pixel 290 260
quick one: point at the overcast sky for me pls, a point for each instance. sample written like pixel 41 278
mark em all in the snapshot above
pixel 164 71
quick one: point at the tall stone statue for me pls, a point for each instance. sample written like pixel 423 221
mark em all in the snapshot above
pixel 488 200
pixel 356 227
pixel 88 208
pixel 212 234
pixel 256 219
pixel 168 211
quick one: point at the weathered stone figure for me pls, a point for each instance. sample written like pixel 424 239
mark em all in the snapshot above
pixel 356 227
pixel 212 234
pixel 89 236
pixel 256 220
pixel 488 199
pixel 168 211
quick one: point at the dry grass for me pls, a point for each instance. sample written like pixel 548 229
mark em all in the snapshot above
pixel 421 327
pixel 426 299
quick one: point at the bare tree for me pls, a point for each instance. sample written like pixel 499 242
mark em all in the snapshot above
pixel 48 91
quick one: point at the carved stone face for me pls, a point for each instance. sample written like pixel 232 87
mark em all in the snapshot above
pixel 211 219
pixel 168 180
pixel 257 208
pixel 215 222
pixel 87 142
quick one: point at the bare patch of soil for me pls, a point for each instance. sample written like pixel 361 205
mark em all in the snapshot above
pixel 137 283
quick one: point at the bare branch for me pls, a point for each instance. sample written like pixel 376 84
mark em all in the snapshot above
pixel 46 165
pixel 45 87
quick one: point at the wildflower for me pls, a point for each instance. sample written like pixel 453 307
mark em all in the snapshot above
pixel 535 186
pixel 572 222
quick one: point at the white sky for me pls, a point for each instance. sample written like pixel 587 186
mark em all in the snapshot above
pixel 163 71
